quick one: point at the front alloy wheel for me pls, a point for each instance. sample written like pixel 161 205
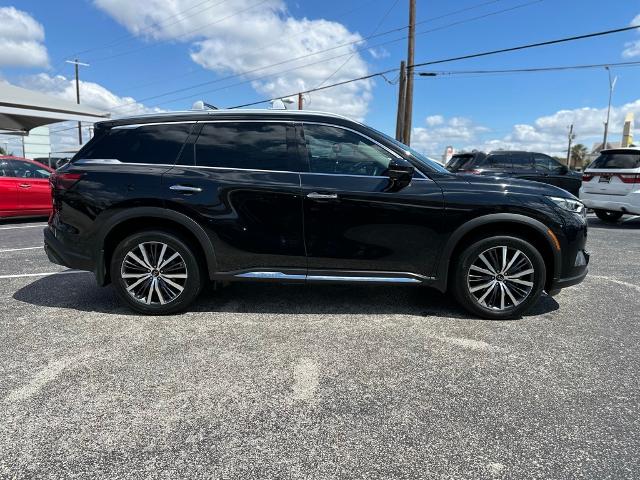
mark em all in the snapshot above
pixel 501 278
pixel 498 277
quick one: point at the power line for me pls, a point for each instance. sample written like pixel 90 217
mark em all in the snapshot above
pixel 453 59
pixel 247 72
pixel 529 70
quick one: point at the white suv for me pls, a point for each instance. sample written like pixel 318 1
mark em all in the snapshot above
pixel 611 184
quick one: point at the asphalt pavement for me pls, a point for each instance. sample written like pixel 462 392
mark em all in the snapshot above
pixel 270 381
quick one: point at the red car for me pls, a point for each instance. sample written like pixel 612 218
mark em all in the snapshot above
pixel 24 188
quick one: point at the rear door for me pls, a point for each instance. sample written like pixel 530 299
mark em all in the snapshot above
pixel 34 191
pixel 352 221
pixel 8 189
pixel 241 180
pixel 614 172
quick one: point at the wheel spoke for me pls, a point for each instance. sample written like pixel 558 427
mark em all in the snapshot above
pixel 489 290
pixel 162 252
pixel 174 275
pixel 168 260
pixel 134 275
pixel 521 282
pixel 160 297
pixel 480 269
pixel 173 284
pixel 134 285
pixel 519 274
pixel 486 262
pixel 144 255
pixel 137 259
pixel 481 287
pixel 502 295
pixel 151 287
pixel 513 299
pixel 504 260
pixel 510 264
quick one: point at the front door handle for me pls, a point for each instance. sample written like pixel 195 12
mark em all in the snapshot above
pixel 322 196
pixel 185 189
pixel 25 185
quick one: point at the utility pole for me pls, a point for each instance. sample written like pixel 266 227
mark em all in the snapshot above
pixel 571 137
pixel 612 85
pixel 76 63
pixel 402 94
pixel 408 108
pixel 300 100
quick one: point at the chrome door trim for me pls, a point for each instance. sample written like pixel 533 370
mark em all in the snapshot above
pixel 338 278
pixel 271 275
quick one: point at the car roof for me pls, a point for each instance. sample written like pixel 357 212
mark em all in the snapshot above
pixel 234 114
pixel 622 149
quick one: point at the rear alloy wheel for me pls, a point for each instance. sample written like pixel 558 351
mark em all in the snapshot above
pixel 155 273
pixel 608 215
pixel 499 277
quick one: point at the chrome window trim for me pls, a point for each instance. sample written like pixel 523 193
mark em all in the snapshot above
pixel 136 125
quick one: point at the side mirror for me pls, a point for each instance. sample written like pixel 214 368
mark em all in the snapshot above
pixel 400 175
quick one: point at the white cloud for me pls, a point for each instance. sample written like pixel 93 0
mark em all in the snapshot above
pixel 91 94
pixel 21 40
pixel 548 134
pixel 632 49
pixel 250 36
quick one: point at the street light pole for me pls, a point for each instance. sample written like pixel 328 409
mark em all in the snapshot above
pixel 76 63
pixel 612 85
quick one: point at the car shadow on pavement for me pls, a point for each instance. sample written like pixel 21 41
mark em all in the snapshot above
pixel 79 292
pixel 627 223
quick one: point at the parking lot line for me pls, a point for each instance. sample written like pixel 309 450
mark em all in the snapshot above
pixel 19 249
pixel 41 274
pixel 41 225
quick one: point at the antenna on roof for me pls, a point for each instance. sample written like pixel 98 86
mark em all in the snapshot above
pixel 202 105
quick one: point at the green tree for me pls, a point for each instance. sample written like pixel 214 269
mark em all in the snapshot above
pixel 2 151
pixel 578 155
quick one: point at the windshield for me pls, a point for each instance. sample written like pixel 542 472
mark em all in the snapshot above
pixel 423 159
pixel 460 162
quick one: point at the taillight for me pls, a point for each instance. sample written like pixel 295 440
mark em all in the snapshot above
pixel 629 177
pixel 63 180
pixel 586 177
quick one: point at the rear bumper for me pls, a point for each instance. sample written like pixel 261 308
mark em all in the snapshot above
pixel 58 253
pixel 616 203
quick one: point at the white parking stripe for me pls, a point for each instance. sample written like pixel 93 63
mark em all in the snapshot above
pixel 42 225
pixel 42 274
pixel 19 249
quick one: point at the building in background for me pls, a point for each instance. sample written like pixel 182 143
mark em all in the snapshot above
pixel 37 143
pixel 627 131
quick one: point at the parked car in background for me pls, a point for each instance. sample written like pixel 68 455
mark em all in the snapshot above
pixel 611 184
pixel 24 188
pixel 516 164
pixel 159 205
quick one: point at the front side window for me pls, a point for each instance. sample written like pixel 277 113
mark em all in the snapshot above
pixel 498 161
pixel 6 169
pixel 244 145
pixel 28 170
pixel 339 151
pixel 156 144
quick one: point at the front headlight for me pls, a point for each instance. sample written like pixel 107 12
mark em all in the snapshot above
pixel 570 205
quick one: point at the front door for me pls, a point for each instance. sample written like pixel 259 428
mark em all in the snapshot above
pixel 353 221
pixel 241 181
pixel 8 189
pixel 34 191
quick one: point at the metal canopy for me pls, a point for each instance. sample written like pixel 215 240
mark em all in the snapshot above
pixel 22 109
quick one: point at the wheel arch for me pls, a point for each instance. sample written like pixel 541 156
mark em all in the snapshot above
pixel 522 226
pixel 133 220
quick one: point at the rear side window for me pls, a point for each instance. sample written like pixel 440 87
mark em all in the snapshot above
pixel 498 161
pixel 245 145
pixel 542 162
pixel 521 161
pixel 617 160
pixel 156 144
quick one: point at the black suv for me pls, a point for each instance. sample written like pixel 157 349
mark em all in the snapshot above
pixel 160 205
pixel 524 165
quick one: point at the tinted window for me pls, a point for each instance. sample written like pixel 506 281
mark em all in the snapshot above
pixel 498 161
pixel 159 144
pixel 340 151
pixel 249 145
pixel 521 161
pixel 617 160
pixel 461 162
pixel 6 170
pixel 542 162
pixel 27 170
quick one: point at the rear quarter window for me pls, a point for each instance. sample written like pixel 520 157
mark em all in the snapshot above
pixel 155 144
pixel 617 160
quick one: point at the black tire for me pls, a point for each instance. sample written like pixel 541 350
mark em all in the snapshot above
pixel 504 309
pixel 153 241
pixel 608 215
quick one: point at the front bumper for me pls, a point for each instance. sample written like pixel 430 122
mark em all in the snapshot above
pixel 558 284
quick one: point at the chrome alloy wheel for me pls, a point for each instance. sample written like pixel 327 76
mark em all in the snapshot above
pixel 154 273
pixel 501 278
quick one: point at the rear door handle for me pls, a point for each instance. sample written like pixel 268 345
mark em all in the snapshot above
pixel 322 196
pixel 185 189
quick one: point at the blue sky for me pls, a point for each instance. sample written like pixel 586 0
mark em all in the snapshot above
pixel 139 50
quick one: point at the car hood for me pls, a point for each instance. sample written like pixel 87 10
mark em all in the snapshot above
pixel 513 185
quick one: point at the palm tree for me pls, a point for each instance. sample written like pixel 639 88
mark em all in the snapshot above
pixel 578 154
